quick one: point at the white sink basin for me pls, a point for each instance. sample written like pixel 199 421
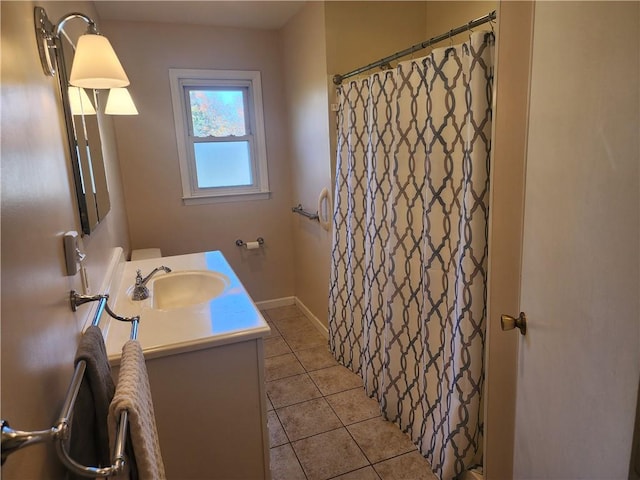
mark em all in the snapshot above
pixel 185 288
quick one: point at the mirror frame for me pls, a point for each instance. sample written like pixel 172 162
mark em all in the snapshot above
pixel 82 131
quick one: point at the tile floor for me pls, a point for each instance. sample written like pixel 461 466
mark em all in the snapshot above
pixel 321 423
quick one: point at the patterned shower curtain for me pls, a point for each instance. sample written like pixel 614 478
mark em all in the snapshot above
pixel 409 259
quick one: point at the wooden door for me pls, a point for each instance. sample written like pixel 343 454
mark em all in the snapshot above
pixel 579 364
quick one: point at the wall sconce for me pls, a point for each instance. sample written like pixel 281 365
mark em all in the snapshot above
pixel 95 64
pixel 120 102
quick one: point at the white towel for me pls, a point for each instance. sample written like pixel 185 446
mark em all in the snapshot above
pixel 134 395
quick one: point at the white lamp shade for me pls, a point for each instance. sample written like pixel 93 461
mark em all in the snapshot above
pixel 79 102
pixel 95 64
pixel 120 103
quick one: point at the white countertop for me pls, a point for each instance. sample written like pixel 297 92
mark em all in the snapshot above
pixel 228 318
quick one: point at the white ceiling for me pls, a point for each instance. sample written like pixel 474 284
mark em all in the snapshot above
pixel 265 14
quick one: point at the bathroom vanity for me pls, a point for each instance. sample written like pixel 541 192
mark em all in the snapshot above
pixel 205 362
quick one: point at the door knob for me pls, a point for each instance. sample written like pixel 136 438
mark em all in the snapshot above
pixel 507 322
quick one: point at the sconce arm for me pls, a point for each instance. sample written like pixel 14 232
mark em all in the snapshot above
pixel 47 34
pixel 60 25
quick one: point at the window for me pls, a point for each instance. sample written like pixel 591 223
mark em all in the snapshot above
pixel 220 135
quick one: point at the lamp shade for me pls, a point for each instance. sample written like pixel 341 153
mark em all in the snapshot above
pixel 120 103
pixel 95 64
pixel 79 102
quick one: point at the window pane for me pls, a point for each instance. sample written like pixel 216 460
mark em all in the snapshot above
pixel 223 164
pixel 217 113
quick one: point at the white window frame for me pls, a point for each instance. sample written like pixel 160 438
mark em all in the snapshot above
pixel 180 81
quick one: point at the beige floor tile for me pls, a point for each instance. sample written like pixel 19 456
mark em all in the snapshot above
pixel 308 418
pixel 380 439
pixel 304 338
pixel 288 391
pixel 354 406
pixel 335 379
pixel 329 454
pixel 285 465
pixel 282 366
pixel 277 436
pixel 305 428
pixel 274 330
pixel 316 358
pixel 283 312
pixel 366 473
pixel 293 324
pixel 410 466
pixel 274 346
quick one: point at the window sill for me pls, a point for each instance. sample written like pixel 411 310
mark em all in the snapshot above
pixel 238 197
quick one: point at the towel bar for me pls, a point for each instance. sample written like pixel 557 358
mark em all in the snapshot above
pixel 13 440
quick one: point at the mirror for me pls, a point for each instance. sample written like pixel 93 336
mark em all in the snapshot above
pixel 83 112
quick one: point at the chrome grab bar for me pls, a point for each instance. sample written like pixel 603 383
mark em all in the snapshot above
pixel 13 440
pixel 301 211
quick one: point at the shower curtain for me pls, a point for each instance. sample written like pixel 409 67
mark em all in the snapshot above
pixel 409 257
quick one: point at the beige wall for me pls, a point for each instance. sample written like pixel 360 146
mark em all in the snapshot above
pixel 39 331
pixel 359 33
pixel 321 40
pixel 444 16
pixel 305 71
pixel 362 32
pixel 149 157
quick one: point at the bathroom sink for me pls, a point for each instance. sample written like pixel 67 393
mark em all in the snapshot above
pixel 185 288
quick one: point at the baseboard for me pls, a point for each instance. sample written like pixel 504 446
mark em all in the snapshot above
pixel 285 302
pixel 315 320
pixel 276 302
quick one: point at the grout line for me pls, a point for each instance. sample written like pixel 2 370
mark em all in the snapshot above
pixel 355 470
pixel 316 434
pixel 358 445
pixel 282 427
pixel 324 397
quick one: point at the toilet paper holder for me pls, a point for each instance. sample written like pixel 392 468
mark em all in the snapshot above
pixel 250 245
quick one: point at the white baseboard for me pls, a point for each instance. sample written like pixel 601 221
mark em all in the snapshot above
pixel 285 302
pixel 275 303
pixel 315 320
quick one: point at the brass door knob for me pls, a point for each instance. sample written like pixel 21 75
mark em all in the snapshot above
pixel 507 322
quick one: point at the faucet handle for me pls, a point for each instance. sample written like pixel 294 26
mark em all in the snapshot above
pixel 138 277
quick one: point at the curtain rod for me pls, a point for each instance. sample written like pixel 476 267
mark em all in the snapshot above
pixel 337 79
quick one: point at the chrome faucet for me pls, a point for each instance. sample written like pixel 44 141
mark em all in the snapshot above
pixel 140 290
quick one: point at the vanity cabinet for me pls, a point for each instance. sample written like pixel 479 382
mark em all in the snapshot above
pixel 205 362
pixel 210 408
